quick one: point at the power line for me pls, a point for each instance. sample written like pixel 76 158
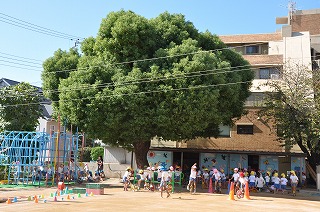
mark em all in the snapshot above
pixel 154 58
pixel 138 93
pixel 1 64
pixel 33 27
pixel 155 79
pixel 19 63
pixel 25 61
pixel 20 57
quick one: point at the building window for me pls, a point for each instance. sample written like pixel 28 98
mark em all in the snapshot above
pixel 244 128
pixel 268 73
pixel 252 49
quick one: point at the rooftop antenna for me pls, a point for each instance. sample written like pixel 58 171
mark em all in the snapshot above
pixel 292 9
pixel 77 42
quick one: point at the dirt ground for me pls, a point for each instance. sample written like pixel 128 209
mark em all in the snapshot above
pixel 115 199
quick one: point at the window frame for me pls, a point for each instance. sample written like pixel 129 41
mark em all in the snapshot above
pixel 245 129
pixel 252 46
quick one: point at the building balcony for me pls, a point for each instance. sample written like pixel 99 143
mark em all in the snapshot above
pixel 264 60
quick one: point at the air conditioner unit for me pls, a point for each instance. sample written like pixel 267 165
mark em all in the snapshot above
pixel 274 76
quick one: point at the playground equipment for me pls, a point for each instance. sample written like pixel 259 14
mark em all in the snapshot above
pixel 26 154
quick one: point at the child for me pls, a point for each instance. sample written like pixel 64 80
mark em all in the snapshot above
pixel 142 178
pixel 126 179
pixel 223 179
pixel 283 182
pixel 165 179
pixel 48 174
pixel 71 169
pixel 206 177
pixel 34 175
pixel 61 172
pixel 235 177
pixel 276 181
pixel 267 179
pixel 303 180
pixel 242 180
pixel 294 182
pixel 252 180
pixel 217 177
pixel 260 182
pixel 192 178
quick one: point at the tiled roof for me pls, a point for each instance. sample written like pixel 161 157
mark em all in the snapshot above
pixel 251 38
pixel 264 59
pixel 7 82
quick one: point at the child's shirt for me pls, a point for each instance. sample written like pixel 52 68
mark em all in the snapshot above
pixel 242 180
pixel 71 164
pixel 60 170
pixel 284 181
pixel 252 179
pixel 267 179
pixel 236 177
pixel 49 171
pixel 164 177
pixel 193 173
pixel 272 179
pixel 260 182
pixel 127 174
pixel 217 176
pixel 294 179
pixel 206 175
pixel 276 180
pixel 223 176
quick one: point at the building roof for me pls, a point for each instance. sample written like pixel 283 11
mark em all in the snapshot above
pixel 264 59
pixel 7 82
pixel 46 107
pixel 251 38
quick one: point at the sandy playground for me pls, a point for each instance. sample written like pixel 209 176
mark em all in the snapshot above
pixel 115 199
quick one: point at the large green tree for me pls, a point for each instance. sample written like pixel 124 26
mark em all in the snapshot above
pixel 293 108
pixel 19 107
pixel 55 69
pixel 142 78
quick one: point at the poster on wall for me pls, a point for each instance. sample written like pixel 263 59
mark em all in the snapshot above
pixel 160 158
pixel 214 160
pixel 297 164
pixel 238 161
pixel 268 163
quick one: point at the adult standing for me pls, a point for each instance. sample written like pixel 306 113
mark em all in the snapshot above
pixel 100 165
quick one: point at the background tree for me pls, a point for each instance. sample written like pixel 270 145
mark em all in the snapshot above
pixel 124 98
pixel 19 107
pixel 293 108
pixel 55 69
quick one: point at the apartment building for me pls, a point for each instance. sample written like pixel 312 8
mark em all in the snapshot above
pixel 251 143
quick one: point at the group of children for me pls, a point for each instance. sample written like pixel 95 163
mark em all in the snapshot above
pixel 271 182
pixel 256 181
pixel 152 178
pixel 218 178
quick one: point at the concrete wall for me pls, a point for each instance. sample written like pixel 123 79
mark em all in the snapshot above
pixel 297 49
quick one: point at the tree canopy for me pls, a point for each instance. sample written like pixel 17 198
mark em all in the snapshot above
pixel 19 107
pixel 142 78
pixel 293 107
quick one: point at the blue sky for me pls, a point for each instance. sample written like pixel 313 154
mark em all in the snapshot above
pixel 82 18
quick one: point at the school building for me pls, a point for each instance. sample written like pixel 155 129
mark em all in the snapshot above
pixel 252 143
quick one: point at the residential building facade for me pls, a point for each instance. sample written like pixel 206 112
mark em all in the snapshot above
pixel 252 143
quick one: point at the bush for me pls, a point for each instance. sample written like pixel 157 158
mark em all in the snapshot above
pixel 96 152
pixel 85 154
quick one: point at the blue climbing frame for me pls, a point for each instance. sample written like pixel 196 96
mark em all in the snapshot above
pixel 22 152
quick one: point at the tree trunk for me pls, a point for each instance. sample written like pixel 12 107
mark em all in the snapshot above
pixel 141 149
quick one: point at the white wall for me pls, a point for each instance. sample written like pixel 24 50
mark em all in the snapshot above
pixel 297 49
pixel 276 47
pixel 117 155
